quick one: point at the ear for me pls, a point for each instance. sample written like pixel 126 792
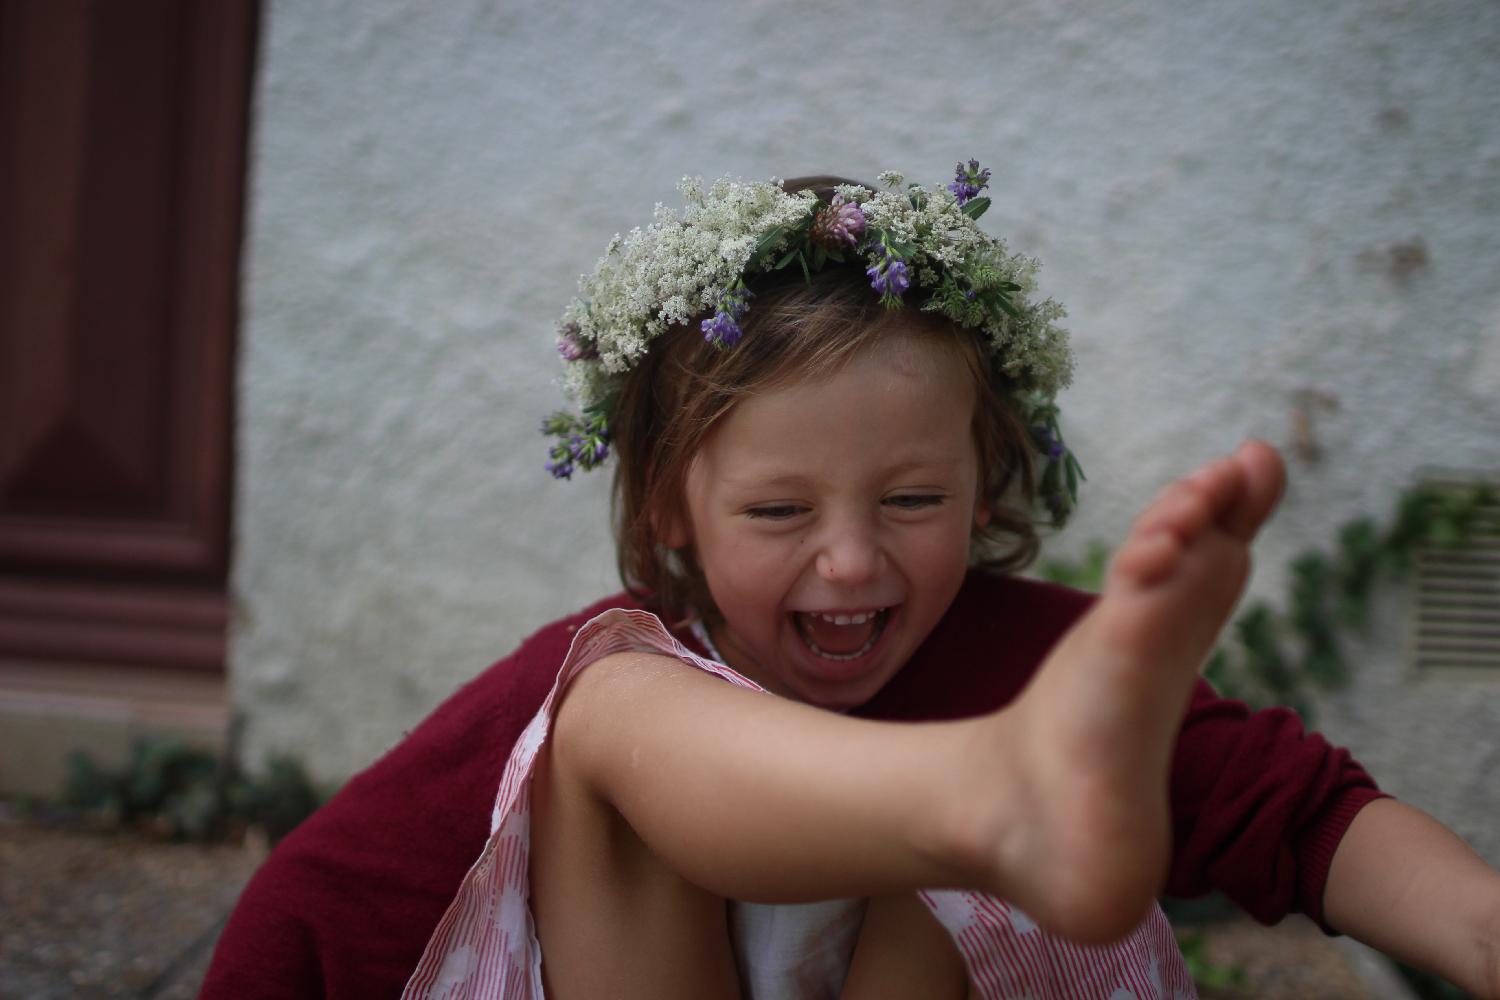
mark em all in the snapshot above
pixel 982 514
pixel 671 529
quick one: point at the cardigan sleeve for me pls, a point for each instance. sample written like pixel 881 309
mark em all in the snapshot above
pixel 344 906
pixel 1259 806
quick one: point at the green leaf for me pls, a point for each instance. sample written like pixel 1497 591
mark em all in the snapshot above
pixel 820 257
pixel 1049 478
pixel 791 255
pixel 975 207
pixel 763 248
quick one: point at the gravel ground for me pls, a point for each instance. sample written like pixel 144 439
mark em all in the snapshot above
pixel 89 915
pixel 84 915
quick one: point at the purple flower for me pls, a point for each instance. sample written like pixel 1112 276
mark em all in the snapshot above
pixel 889 278
pixel 722 330
pixel 969 181
pixel 572 346
pixel 561 468
pixel 839 225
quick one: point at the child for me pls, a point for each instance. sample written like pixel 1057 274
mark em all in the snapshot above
pixel 803 476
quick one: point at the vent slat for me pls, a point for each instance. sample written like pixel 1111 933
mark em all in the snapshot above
pixel 1456 595
pixel 1486 661
pixel 1462 571
pixel 1479 631
pixel 1473 604
pixel 1476 550
pixel 1442 649
pixel 1438 618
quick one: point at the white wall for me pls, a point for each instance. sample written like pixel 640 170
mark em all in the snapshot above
pixel 1239 203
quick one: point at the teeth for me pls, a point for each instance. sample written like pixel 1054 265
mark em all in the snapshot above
pixel 869 645
pixel 855 619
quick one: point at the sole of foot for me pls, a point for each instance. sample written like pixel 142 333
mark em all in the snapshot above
pixel 1098 724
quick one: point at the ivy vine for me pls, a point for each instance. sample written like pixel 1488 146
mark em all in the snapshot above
pixel 1273 657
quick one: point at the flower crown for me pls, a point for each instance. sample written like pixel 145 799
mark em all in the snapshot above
pixel 682 267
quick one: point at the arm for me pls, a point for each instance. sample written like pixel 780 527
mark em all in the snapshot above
pixel 1259 807
pixel 1405 884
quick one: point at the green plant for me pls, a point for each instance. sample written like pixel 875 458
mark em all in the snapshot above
pixel 1084 574
pixel 1280 658
pixel 1205 972
pixel 172 789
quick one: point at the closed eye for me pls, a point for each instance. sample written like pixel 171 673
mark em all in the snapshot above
pixel 778 512
pixel 915 501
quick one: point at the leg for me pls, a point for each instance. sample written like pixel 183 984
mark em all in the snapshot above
pixel 904 952
pixel 1058 803
pixel 612 918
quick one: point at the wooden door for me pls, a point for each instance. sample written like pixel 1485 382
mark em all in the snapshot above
pixel 122 162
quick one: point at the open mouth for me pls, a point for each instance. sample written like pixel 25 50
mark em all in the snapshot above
pixel 841 635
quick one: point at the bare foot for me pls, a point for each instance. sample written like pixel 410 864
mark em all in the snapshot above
pixel 1095 730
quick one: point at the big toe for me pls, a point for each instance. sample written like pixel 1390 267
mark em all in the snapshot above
pixel 1263 475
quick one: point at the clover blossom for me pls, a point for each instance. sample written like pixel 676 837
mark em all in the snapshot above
pixel 839 226
pixel 572 346
pixel 969 181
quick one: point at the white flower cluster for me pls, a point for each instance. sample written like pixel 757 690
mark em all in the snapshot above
pixel 1029 347
pixel 671 271
pixel 681 266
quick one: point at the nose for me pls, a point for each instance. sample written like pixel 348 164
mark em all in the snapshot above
pixel 850 553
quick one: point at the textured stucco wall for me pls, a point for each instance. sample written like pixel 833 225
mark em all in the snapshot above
pixel 1241 204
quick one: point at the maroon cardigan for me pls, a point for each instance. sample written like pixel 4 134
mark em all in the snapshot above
pixel 345 904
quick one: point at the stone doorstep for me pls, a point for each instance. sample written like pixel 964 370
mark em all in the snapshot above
pixel 1376 970
pixel 48 710
pixel 1295 960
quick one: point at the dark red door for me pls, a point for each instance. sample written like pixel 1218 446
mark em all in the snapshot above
pixel 122 161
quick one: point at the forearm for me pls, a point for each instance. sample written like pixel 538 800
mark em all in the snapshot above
pixel 1405 884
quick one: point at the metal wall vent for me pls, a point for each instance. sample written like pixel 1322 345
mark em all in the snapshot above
pixel 1456 593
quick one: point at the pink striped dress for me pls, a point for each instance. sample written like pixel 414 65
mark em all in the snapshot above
pixel 485 946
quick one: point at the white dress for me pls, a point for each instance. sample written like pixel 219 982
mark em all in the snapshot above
pixel 485 946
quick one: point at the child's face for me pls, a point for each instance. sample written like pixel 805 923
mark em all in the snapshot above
pixel 849 499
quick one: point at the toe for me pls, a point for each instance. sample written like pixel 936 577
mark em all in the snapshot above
pixel 1146 559
pixel 1263 475
pixel 1187 506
